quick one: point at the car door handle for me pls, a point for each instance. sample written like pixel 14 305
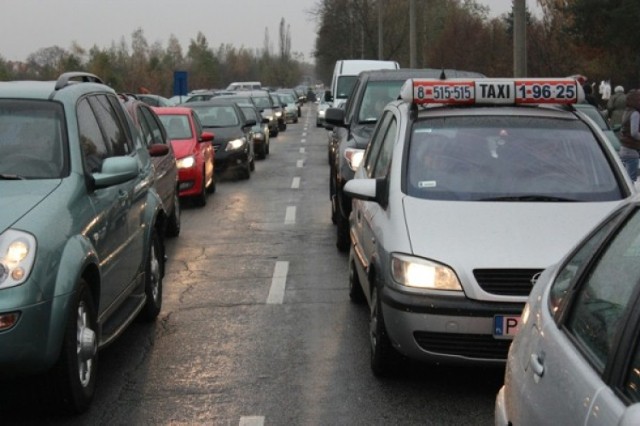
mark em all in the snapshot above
pixel 537 365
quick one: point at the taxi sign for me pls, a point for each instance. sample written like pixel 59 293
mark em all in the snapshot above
pixel 493 91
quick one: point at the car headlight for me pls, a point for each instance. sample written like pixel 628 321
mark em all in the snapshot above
pixel 321 113
pixel 258 135
pixel 235 144
pixel 278 114
pixel 354 157
pixel 17 254
pixel 186 162
pixel 416 272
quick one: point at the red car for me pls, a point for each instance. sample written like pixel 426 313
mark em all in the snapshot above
pixel 193 151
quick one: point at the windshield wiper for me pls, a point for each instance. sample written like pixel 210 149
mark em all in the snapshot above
pixel 6 176
pixel 531 197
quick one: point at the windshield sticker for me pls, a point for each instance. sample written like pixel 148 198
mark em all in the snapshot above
pixel 427 184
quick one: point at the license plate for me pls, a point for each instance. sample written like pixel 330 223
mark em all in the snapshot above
pixel 505 326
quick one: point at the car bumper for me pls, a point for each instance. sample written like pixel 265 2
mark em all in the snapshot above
pixel 500 412
pixel 189 182
pixel 32 345
pixel 445 328
pixel 230 160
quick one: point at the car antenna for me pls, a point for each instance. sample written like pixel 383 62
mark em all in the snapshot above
pixel 443 76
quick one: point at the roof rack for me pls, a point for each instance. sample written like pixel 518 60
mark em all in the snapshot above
pixel 68 78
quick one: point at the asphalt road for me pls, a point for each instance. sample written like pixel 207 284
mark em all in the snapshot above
pixel 257 327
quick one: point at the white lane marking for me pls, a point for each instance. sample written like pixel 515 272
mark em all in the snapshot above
pixel 278 283
pixel 303 140
pixel 290 215
pixel 304 133
pixel 302 150
pixel 251 421
pixel 300 163
pixel 296 183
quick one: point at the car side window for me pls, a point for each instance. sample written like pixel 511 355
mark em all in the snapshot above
pixel 602 299
pixel 197 124
pixel 94 148
pixel 376 143
pixel 115 135
pixel 153 126
pixel 384 159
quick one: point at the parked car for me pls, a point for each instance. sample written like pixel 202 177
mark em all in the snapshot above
pixel 466 192
pixel 260 131
pixel 81 233
pixel 576 358
pixel 155 138
pixel 233 143
pixel 593 113
pixel 195 155
pixel 154 100
pixel 353 125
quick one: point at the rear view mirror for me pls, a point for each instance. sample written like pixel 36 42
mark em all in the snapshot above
pixel 158 150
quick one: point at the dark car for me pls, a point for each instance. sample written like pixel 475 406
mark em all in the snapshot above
pixel 232 143
pixel 154 136
pixel 279 111
pixel 260 131
pixel 154 100
pixel 262 100
pixel 353 126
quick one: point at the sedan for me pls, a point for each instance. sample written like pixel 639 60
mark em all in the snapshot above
pixel 193 150
pixel 576 358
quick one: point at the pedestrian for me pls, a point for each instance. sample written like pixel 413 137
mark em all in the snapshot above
pixel 616 106
pixel 630 134
pixel 588 95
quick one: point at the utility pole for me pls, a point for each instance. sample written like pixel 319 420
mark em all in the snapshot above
pixel 380 49
pixel 412 34
pixel 519 38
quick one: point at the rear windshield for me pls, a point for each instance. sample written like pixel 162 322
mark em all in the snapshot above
pixel 33 142
pixel 217 116
pixel 508 159
pixel 177 126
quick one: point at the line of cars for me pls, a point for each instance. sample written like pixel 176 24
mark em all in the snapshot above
pixel 467 195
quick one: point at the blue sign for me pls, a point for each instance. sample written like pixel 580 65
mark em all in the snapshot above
pixel 180 86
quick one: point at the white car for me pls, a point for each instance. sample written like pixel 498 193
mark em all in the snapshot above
pixel 466 192
pixel 576 359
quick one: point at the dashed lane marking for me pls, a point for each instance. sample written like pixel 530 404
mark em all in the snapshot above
pixel 278 284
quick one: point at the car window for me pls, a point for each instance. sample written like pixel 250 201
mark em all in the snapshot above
pixel 344 88
pixel 115 136
pixel 153 126
pixel 381 166
pixel 177 126
pixel 376 95
pixel 261 102
pixel 600 302
pixel 375 145
pixel 217 116
pixel 32 144
pixel 94 147
pixel 508 158
pixel 250 114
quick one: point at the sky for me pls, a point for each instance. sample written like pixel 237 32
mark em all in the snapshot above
pixel 29 25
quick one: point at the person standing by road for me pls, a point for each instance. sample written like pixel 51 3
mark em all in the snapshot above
pixel 630 134
pixel 616 106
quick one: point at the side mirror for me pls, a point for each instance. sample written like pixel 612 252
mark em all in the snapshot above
pixel 368 190
pixel 335 116
pixel 206 137
pixel 264 120
pixel 116 170
pixel 158 150
pixel 250 122
pixel 327 96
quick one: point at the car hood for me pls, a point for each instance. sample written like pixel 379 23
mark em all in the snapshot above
pixel 224 134
pixel 362 134
pixel 20 197
pixel 183 147
pixel 469 235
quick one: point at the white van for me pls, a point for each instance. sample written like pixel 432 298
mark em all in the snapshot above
pixel 346 72
pixel 245 85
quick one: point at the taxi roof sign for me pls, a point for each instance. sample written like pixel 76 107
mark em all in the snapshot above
pixel 492 91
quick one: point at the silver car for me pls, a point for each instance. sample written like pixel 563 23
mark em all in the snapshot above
pixel 466 192
pixel 576 359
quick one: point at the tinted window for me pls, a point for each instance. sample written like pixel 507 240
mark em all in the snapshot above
pixel 384 159
pixel 177 126
pixel 371 155
pixel 250 114
pixel 603 297
pixel 94 147
pixel 345 86
pixel 153 126
pixel 32 140
pixel 377 94
pixel 115 137
pixel 511 158
pixel 217 116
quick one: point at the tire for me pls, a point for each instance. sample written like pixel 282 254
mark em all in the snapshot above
pixel 173 224
pixel 274 133
pixel 200 200
pixel 381 350
pixel 267 149
pixel 245 172
pixel 72 381
pixel 355 288
pixel 342 233
pixel 332 198
pixel 212 188
pixel 153 274
pixel 262 152
pixel 252 164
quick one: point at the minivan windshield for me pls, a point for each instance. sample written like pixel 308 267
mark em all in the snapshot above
pixel 507 158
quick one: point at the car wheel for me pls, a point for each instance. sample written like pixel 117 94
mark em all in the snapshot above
pixel 153 280
pixel 74 375
pixel 200 200
pixel 267 149
pixel 332 197
pixel 381 349
pixel 252 164
pixel 212 186
pixel 245 172
pixel 355 289
pixel 173 225
pixel 342 233
pixel 262 151
pixel 274 133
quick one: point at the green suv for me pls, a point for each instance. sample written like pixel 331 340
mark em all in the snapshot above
pixel 81 226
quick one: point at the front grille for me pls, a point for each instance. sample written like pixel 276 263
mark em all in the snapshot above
pixel 506 282
pixel 480 346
